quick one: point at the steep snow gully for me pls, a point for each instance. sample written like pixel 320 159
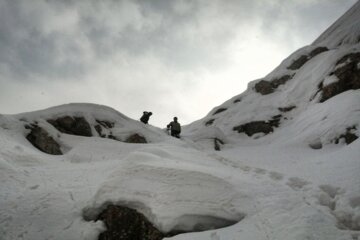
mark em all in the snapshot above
pixel 279 161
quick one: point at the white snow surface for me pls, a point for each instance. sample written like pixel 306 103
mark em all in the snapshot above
pixel 271 186
pixel 279 190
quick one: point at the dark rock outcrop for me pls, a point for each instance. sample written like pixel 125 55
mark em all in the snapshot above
pixel 265 87
pixel 347 70
pixel 209 122
pixel 123 223
pixel 136 138
pixel 104 124
pixel 286 109
pixel 298 63
pixel 75 126
pixel 98 129
pixel 348 136
pixel 40 139
pixel 252 128
pixel 219 111
pixel 217 144
pixel 280 81
pixel 317 51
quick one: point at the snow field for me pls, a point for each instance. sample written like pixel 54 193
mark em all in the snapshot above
pixel 175 185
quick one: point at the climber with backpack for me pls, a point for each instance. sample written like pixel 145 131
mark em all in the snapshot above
pixel 145 117
pixel 175 128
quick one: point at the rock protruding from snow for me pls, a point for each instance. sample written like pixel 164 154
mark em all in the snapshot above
pixel 299 62
pixel 349 136
pixel 123 223
pixel 41 139
pixel 265 87
pixel 219 111
pixel 209 122
pixel 254 127
pixel 102 127
pixel 286 109
pixel 72 125
pixel 136 138
pixel 347 71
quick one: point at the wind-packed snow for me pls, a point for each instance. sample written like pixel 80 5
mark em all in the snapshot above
pixel 276 186
pixel 272 191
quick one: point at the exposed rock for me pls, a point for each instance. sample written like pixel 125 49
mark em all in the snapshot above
pixel 210 122
pixel 98 129
pixel 317 51
pixel 75 126
pixel 266 127
pixel 279 81
pixel 254 127
pixel 219 110
pixel 331 90
pixel 264 87
pixel 103 124
pixel 348 136
pixel 123 223
pixel 106 124
pixel 40 139
pixel 298 63
pixel 286 109
pixel 217 144
pixel 237 100
pixel 135 138
pixel 275 121
pixel 348 72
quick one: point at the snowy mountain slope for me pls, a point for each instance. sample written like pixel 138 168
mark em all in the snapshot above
pixel 176 186
pixel 306 91
pixel 346 30
pixel 279 174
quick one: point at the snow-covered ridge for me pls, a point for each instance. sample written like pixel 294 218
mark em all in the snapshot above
pixel 302 100
pixel 296 94
pixel 345 31
pixel 53 130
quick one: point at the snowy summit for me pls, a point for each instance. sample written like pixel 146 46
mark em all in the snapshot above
pixel 279 161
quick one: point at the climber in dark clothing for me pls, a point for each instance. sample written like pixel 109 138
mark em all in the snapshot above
pixel 145 117
pixel 175 128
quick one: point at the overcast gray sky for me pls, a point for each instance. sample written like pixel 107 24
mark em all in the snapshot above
pixel 172 57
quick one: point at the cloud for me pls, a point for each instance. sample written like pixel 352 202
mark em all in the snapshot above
pixel 179 57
